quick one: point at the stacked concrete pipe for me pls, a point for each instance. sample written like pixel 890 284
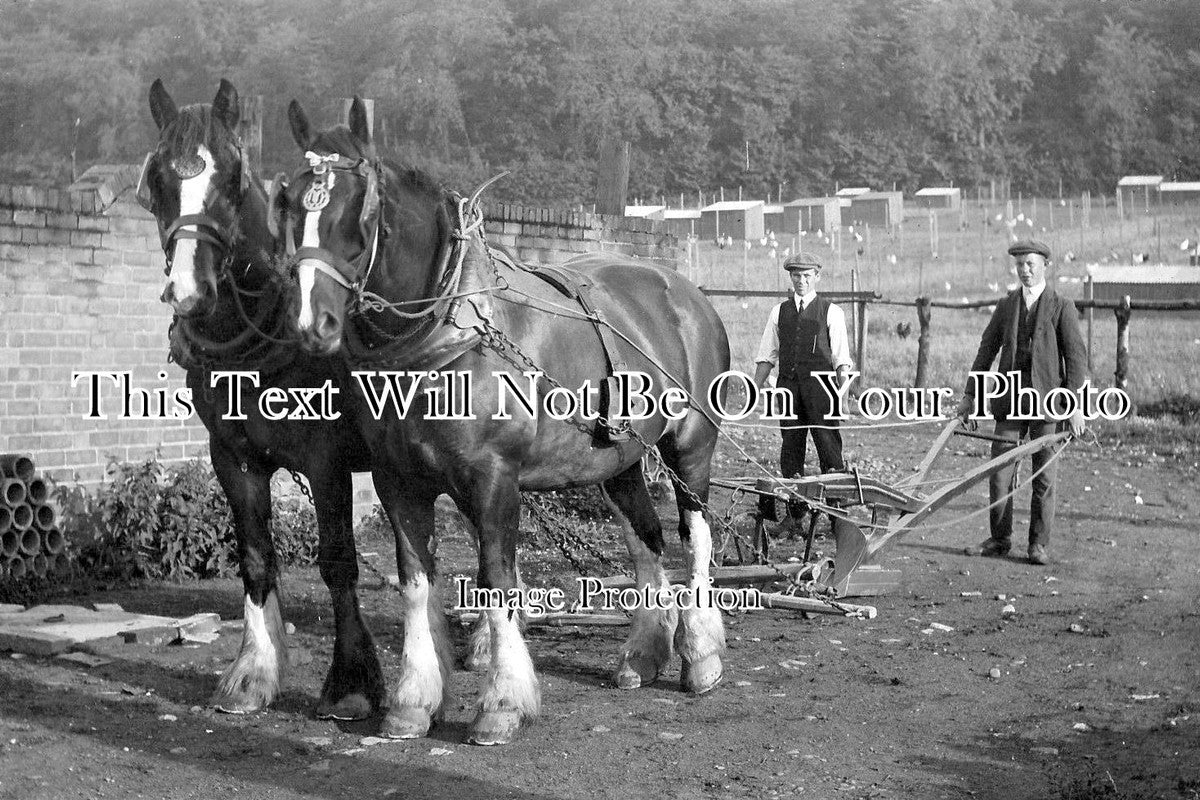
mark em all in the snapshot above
pixel 30 541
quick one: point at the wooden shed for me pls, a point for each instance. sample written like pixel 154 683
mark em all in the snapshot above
pixel 940 197
pixel 741 219
pixel 645 212
pixel 811 214
pixel 1175 193
pixel 682 221
pixel 1138 191
pixel 1145 282
pixel 773 218
pixel 877 209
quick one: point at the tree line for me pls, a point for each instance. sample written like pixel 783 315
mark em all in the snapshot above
pixel 766 95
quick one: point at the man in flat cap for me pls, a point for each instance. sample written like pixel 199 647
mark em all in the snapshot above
pixel 1035 331
pixel 805 334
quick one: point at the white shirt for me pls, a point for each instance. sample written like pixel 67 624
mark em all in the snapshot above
pixel 835 321
pixel 1032 293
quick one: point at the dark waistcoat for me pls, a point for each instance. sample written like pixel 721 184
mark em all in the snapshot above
pixel 804 339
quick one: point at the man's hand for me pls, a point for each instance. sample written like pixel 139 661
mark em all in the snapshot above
pixel 1077 423
pixel 963 412
pixel 762 371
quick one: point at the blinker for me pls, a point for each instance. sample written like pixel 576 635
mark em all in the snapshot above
pixel 188 166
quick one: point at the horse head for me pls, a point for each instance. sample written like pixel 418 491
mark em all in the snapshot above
pixel 359 222
pixel 195 184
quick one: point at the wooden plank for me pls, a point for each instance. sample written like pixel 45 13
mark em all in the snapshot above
pixel 561 619
pixel 50 629
pixel 813 605
pixel 721 576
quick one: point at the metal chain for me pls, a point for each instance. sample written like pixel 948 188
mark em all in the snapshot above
pixel 557 528
pixel 498 341
pixel 374 570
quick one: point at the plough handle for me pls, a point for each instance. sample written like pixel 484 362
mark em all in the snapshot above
pixel 987 437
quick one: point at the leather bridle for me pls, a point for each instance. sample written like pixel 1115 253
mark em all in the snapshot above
pixel 350 275
pixel 203 227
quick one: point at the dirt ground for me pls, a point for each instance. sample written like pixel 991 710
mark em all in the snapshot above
pixel 1098 693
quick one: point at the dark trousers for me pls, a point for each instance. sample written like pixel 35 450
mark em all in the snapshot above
pixel 1004 481
pixel 812 407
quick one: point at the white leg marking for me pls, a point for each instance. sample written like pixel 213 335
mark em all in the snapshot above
pixel 511 684
pixel 650 633
pixel 192 194
pixel 422 682
pixel 254 678
pixel 479 646
pixel 704 632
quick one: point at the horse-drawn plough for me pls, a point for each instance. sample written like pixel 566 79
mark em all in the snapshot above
pixel 894 510
pixel 867 517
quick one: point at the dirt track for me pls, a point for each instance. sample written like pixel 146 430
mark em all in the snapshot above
pixel 1108 637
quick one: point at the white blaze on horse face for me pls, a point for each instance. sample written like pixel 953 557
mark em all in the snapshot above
pixel 192 194
pixel 306 270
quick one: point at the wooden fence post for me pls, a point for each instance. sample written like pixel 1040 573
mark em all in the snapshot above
pixel 1121 375
pixel 854 309
pixel 924 317
pixel 1091 314
pixel 612 180
pixel 861 356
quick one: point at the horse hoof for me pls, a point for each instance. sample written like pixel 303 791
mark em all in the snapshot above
pixel 232 706
pixel 636 671
pixel 406 722
pixel 350 707
pixel 495 727
pixel 701 676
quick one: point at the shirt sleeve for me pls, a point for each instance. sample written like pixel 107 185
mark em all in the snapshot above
pixel 768 347
pixel 839 343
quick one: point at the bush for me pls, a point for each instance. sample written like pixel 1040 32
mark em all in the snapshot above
pixel 150 521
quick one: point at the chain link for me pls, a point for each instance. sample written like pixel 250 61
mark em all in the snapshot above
pixel 374 570
pixel 499 342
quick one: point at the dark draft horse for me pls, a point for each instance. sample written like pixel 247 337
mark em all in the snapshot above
pixel 230 303
pixel 364 224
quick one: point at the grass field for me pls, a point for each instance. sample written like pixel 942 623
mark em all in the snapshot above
pixel 1164 347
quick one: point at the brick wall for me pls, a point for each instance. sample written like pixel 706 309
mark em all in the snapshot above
pixel 80 277
pixel 551 236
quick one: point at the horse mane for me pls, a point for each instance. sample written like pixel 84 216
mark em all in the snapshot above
pixel 195 126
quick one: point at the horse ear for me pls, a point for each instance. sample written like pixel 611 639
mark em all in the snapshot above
pixel 226 106
pixel 162 107
pixel 359 126
pixel 276 202
pixel 301 131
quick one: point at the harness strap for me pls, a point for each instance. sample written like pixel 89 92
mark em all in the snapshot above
pixel 206 230
pixel 575 285
pixel 327 264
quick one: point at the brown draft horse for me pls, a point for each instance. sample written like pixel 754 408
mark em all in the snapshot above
pixel 230 304
pixel 373 232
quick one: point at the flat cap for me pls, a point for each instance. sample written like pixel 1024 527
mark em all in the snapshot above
pixel 802 261
pixel 1024 246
